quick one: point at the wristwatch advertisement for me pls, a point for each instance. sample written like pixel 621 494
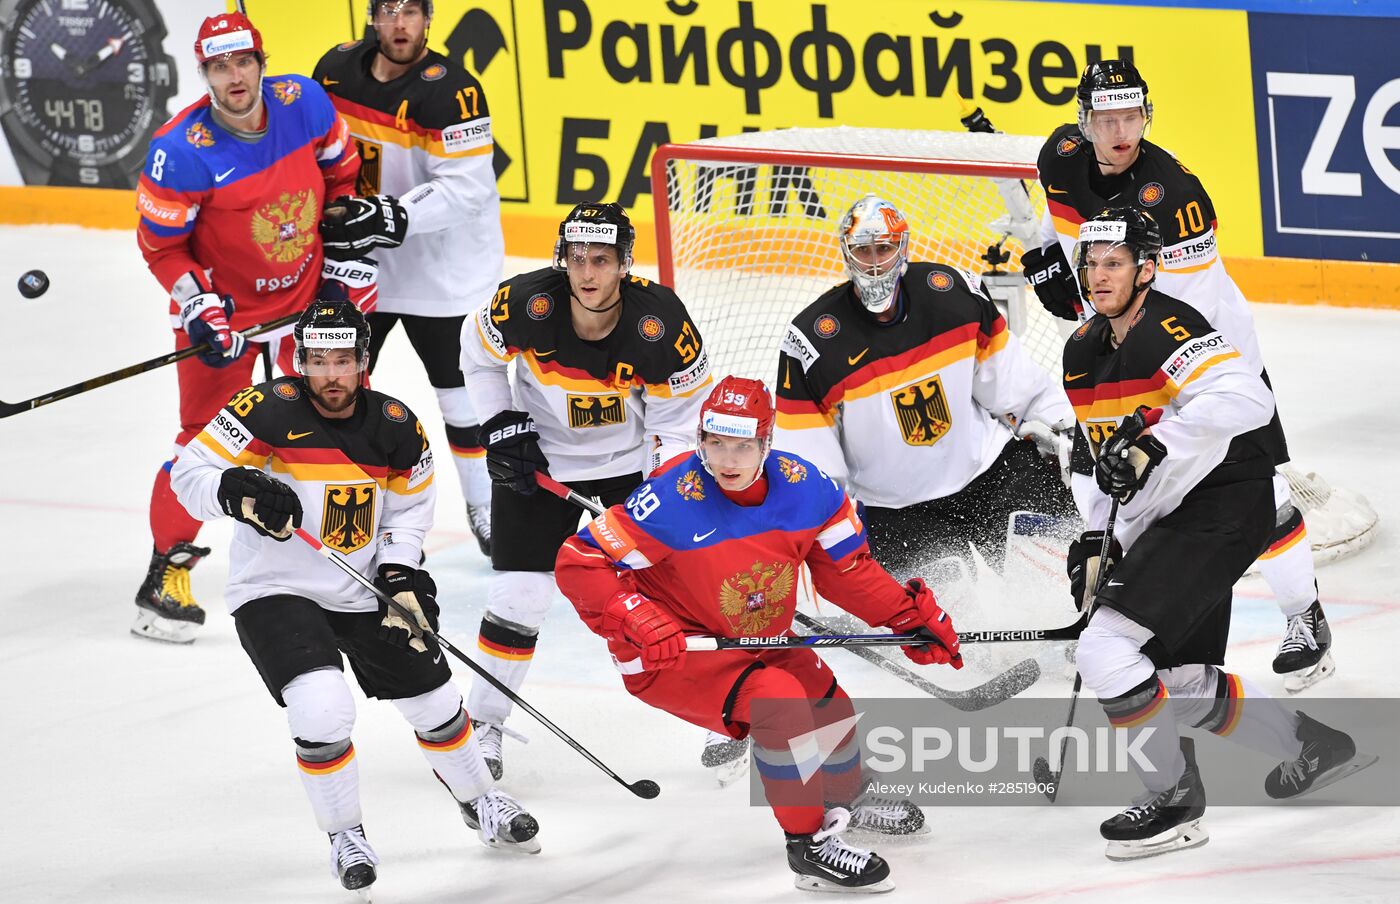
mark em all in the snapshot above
pixel 83 86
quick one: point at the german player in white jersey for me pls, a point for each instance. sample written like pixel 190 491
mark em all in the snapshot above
pixel 355 466
pixel 1173 424
pixel 1105 159
pixel 902 384
pixel 609 376
pixel 423 130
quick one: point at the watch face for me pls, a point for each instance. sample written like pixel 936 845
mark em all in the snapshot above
pixel 87 80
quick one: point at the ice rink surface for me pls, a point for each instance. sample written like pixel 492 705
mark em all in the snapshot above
pixel 132 771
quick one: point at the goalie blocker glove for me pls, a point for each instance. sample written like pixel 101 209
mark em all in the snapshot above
pixel 416 591
pixel 513 451
pixel 267 504
pixel 1129 456
pixel 205 318
pixel 351 227
pixel 1048 272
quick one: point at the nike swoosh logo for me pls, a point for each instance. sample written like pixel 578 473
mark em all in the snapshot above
pixel 437 658
pixel 1115 583
pixel 329 81
pixel 1070 378
pixel 1051 190
pixel 699 537
pixel 291 435
pixel 545 354
pixel 856 359
pixel 224 175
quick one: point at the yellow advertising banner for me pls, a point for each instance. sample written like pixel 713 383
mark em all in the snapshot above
pixel 582 91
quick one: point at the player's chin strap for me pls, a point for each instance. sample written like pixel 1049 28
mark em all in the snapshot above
pixel 643 788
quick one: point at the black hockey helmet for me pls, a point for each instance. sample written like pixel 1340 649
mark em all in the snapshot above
pixel 1110 85
pixel 375 4
pixel 604 224
pixel 1134 229
pixel 332 321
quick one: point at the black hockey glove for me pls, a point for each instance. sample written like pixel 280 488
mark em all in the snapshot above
pixel 1126 461
pixel 1049 274
pixel 1083 565
pixel 351 227
pixel 513 451
pixel 266 503
pixel 415 591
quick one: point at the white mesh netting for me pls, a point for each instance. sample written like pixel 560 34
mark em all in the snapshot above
pixel 753 239
pixel 749 239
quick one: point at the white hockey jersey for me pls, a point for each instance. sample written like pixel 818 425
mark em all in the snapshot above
pixel 1215 408
pixel 365 485
pixel 623 404
pixel 1191 268
pixel 425 138
pixel 908 411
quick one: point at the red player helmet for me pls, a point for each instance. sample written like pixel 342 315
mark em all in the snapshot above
pixel 737 407
pixel 225 35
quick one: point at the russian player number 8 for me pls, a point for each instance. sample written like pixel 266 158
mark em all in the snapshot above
pixel 642 503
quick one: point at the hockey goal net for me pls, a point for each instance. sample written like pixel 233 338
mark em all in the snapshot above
pixel 746 235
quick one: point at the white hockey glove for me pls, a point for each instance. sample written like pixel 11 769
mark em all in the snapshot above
pixel 1055 443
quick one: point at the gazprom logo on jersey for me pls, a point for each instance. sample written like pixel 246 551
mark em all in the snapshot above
pixel 1327 104
pixel 578 231
pixel 329 338
pixel 718 422
pixel 1116 99
pixel 233 42
pixel 1102 231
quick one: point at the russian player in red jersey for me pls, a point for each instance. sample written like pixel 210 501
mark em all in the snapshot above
pixel 711 545
pixel 230 199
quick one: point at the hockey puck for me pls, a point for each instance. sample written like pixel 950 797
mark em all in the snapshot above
pixel 33 284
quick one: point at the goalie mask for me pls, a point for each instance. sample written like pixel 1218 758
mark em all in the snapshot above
pixel 741 409
pixel 596 224
pixel 875 246
pixel 331 322
pixel 1111 85
pixel 1134 229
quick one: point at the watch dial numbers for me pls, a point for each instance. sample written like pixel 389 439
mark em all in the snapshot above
pixel 135 73
pixel 23 68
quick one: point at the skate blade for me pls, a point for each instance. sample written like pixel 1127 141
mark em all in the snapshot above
pixel 365 895
pixel 528 846
pixel 1337 773
pixel 1301 680
pixel 812 883
pixel 729 773
pixel 1187 835
pixel 883 839
pixel 150 626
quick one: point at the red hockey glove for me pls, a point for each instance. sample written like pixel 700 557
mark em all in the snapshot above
pixel 926 617
pixel 647 626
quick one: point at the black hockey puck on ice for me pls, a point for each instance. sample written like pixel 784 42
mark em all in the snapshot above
pixel 33 284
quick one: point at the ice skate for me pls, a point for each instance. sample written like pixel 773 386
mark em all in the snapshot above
pixel 889 816
pixel 489 736
pixel 1305 655
pixel 727 758
pixel 165 607
pixel 479 517
pixel 823 861
pixel 501 822
pixel 1168 821
pixel 353 861
pixel 1328 756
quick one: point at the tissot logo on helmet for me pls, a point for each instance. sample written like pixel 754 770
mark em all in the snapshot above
pixel 590 232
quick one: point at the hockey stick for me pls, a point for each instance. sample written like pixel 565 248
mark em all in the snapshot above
pixel 1041 769
pixel 9 408
pixel 643 788
pixel 998 689
pixel 779 641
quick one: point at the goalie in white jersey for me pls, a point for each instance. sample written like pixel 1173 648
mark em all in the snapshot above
pixel 899 384
pixel 1105 160
pixel 354 465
